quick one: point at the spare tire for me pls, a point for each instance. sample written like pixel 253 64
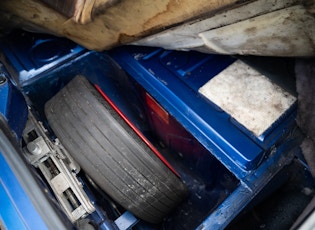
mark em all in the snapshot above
pixel 110 152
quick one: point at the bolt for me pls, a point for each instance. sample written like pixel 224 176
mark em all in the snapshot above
pixel 33 148
pixel 3 79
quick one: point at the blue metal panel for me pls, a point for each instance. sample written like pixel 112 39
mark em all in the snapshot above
pixel 173 79
pixel 27 56
pixel 17 211
pixel 4 94
pixel 254 184
pixel 10 216
pixel 177 93
pixel 12 104
pixel 126 221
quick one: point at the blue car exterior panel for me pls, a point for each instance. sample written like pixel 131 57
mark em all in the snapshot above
pixel 17 210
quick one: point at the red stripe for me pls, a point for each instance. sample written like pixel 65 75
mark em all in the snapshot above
pixel 137 131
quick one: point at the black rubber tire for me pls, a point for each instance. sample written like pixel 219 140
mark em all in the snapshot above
pixel 111 153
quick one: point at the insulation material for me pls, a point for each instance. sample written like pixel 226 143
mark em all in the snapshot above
pixel 248 96
pixel 287 32
pixel 262 28
pixel 186 36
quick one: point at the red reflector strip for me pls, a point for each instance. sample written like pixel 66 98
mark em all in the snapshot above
pixel 136 130
pixel 157 108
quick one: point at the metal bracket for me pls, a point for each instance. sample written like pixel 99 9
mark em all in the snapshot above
pixel 58 168
pixel 126 221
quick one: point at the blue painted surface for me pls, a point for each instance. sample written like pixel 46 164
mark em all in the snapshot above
pixel 17 211
pixel 178 95
pixel 12 104
pixel 253 184
pixel 121 90
pixel 126 221
pixel 29 57
pixel 173 79
pixel 4 96
pixel 10 216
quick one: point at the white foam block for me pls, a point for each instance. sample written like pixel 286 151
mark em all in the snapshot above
pixel 248 96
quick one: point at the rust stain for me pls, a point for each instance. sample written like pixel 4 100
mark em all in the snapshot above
pixel 251 31
pixel 180 11
pixel 278 107
pixel 155 20
pixel 125 38
pixel 259 45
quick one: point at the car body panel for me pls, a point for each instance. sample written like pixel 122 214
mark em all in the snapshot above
pixel 224 165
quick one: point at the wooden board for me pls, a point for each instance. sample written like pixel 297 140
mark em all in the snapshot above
pixel 124 22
